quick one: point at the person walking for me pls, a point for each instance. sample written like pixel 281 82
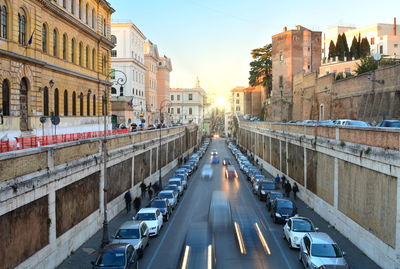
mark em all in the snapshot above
pixel 283 180
pixel 277 180
pixel 288 188
pixel 143 189
pixel 295 190
pixel 150 191
pixel 128 201
pixel 137 203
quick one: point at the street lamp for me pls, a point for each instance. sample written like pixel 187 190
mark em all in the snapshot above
pixel 120 81
pixel 165 103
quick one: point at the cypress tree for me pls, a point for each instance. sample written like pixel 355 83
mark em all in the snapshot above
pixel 365 48
pixel 340 47
pixel 354 49
pixel 332 49
pixel 345 46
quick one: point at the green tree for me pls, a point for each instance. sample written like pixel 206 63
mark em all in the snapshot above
pixel 365 48
pixel 261 67
pixel 367 64
pixel 339 47
pixel 346 46
pixel 354 52
pixel 332 49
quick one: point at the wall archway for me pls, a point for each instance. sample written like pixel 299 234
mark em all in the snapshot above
pixel 23 101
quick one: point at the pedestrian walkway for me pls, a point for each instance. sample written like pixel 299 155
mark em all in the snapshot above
pixel 88 252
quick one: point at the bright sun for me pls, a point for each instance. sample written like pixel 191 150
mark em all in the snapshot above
pixel 220 101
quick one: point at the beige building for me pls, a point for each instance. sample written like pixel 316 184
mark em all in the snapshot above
pixel 164 68
pixel 54 60
pixel 238 100
pixel 151 59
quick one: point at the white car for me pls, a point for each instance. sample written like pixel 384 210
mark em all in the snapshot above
pixel 169 194
pixel 207 171
pixel 153 219
pixel 295 229
pixel 179 182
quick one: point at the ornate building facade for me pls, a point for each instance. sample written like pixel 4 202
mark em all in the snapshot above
pixel 54 61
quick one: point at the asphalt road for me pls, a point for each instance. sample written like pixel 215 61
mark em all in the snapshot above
pixel 250 214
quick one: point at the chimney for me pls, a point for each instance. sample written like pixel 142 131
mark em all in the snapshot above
pixel 285 29
pixel 395 27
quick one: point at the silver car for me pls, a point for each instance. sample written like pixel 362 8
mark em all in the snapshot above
pixel 318 250
pixel 170 195
pixel 135 233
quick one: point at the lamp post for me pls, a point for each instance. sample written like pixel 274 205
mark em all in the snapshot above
pixel 120 81
pixel 163 104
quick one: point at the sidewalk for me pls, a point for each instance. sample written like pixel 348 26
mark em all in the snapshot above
pixel 88 252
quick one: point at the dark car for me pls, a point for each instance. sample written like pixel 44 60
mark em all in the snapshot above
pixel 389 124
pixel 265 187
pixel 282 210
pixel 227 161
pixel 271 196
pixel 188 168
pixel 230 172
pixel 117 256
pixel 163 205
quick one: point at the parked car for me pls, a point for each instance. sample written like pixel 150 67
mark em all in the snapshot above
pixel 214 160
pixel 188 168
pixel 389 124
pixel 295 229
pixel 230 172
pixel 356 123
pixel 153 219
pixel 264 187
pixel 227 161
pixel 117 256
pixel 257 177
pixel 183 171
pixel 170 195
pixel 271 196
pixel 135 233
pixel 163 205
pixel 173 188
pixel 207 171
pixel 282 210
pixel 326 122
pixel 183 178
pixel 319 250
pixel 178 182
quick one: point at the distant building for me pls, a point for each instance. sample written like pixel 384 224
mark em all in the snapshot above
pixel 293 51
pixel 128 101
pixel 238 100
pixel 252 101
pixel 164 68
pixel 151 59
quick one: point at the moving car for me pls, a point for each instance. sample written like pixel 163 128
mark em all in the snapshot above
pixel 207 172
pixel 319 250
pixel 214 152
pixel 163 205
pixel 356 123
pixel 264 187
pixel 282 210
pixel 117 256
pixel 295 229
pixel 227 161
pixel 230 172
pixel 170 195
pixel 219 213
pixel 214 160
pixel 271 196
pixel 135 233
pixel 153 219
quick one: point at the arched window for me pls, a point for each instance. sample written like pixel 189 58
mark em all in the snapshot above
pixel 88 104
pixel 114 39
pixel 65 103
pixel 56 103
pixel 74 103
pixel 3 22
pixel 6 97
pixel 46 101
pixel 94 59
pixel 44 38
pixel 87 57
pixel 65 43
pixel 21 28
pixel 94 105
pixel 73 51
pixel 80 53
pixel 80 9
pixel 81 104
pixel 87 13
pixel 93 19
pixel 55 41
pixel 113 90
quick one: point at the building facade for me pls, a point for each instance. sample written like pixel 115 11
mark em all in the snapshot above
pixel 237 105
pixel 253 101
pixel 151 60
pixel 128 101
pixel 164 68
pixel 54 61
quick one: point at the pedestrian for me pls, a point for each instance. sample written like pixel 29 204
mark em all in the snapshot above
pixel 295 190
pixel 150 191
pixel 143 189
pixel 128 201
pixel 277 180
pixel 283 180
pixel 156 187
pixel 137 203
pixel 288 188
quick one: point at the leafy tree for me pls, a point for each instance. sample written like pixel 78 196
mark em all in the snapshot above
pixel 346 46
pixel 339 76
pixel 332 49
pixel 367 64
pixel 354 52
pixel 365 48
pixel 261 67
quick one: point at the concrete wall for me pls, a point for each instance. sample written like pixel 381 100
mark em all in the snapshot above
pixel 348 179
pixel 57 190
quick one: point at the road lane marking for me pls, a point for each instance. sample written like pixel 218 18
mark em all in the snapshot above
pixel 262 239
pixel 185 257
pixel 240 238
pixel 209 258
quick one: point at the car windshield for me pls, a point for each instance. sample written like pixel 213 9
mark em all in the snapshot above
pixel 392 124
pixel 146 216
pixel 165 195
pixel 302 226
pixel 127 234
pixel 285 204
pixel 276 195
pixel 325 250
pixel 111 259
pixel 230 168
pixel 268 186
pixel 175 182
pixel 158 204
pixel 358 123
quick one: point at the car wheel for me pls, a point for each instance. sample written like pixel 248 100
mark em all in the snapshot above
pixel 290 244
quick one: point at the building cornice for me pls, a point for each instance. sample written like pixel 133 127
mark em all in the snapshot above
pixel 128 60
pixel 75 22
pixel 51 66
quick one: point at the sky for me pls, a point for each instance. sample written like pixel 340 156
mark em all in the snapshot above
pixel 212 39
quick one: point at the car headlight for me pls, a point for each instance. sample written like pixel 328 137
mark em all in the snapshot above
pixel 295 238
pixel 278 215
pixel 263 192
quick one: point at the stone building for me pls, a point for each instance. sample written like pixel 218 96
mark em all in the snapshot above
pixel 54 60
pixel 292 52
pixel 253 101
pixel 238 100
pixel 151 59
pixel 164 68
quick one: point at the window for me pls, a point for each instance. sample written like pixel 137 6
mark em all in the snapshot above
pixel 93 18
pixel 65 103
pixel 56 103
pixel 238 108
pixel 190 111
pixel 94 105
pixel 3 22
pixel 6 97
pixel 73 51
pixel 381 49
pixel 65 3
pixel 81 104
pixel 321 112
pixel 114 39
pixel 172 98
pixel 104 64
pixel 396 45
pixel 80 53
pixel 65 47
pixel 21 28
pixel 88 104
pixel 73 7
pixel 114 53
pixel 280 81
pixel 44 38
pixel 281 56
pixel 80 9
pixel 121 91
pixel 104 27
pixel 113 90
pixel 93 58
pixel 237 95
pixel 372 40
pixel 46 101
pixel 74 104
pixel 178 97
pixel 178 110
pixel 237 101
pixel 190 97
pixel 87 13
pixel 308 67
pixel 55 39
pixel 172 110
pixel 87 57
